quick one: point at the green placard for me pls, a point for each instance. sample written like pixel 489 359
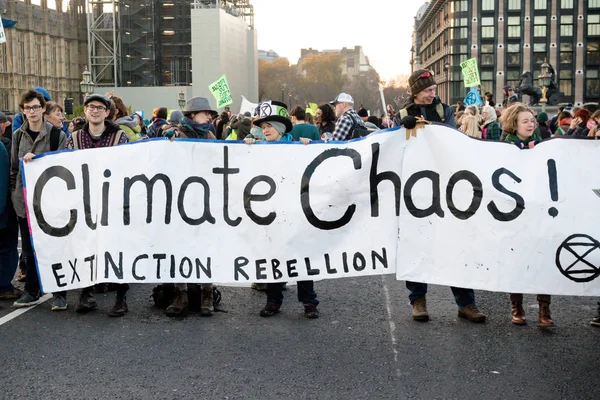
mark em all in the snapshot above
pixel 220 90
pixel 470 72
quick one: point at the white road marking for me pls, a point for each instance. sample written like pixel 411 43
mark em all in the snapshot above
pixel 388 308
pixel 21 311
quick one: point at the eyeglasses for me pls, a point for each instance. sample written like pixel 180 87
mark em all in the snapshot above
pixel 32 108
pixel 96 108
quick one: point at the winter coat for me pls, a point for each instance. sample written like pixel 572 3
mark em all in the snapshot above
pixel 429 112
pixel 130 124
pixel 21 145
pixel 242 126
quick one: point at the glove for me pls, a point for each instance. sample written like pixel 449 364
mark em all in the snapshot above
pixel 408 122
pixel 520 144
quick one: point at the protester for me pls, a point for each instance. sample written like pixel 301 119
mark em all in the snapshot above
pixel 593 124
pixel 9 226
pixel 240 126
pixel 553 124
pixel 460 106
pixel 348 120
pixel 277 129
pixel 490 128
pixel 458 119
pixel 196 124
pixel 130 124
pixel 159 120
pixel 519 121
pixel 36 136
pixel 76 124
pixel 543 130
pixel 20 117
pixel 325 120
pixel 423 102
pixel 579 124
pixel 302 129
pixel 98 132
pixel 55 115
pixel 510 96
pixel 223 121
pixel 564 122
pixel 470 126
pixel 196 121
pixel 173 124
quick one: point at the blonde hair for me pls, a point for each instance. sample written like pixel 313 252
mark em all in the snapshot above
pixel 510 116
pixel 470 126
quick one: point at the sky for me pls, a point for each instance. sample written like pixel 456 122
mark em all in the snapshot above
pixel 382 27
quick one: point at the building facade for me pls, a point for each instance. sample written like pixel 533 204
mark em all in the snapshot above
pixel 47 47
pixel 509 37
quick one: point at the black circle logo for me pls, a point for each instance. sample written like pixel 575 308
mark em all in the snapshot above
pixel 265 110
pixel 578 258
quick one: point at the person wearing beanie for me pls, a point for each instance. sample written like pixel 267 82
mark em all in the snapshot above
pixel 423 102
pixel 20 117
pixel 543 130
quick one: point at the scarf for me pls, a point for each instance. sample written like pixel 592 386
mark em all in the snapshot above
pixel 200 129
pixel 511 138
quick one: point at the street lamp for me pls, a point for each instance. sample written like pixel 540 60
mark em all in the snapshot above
pixel 282 89
pixel 290 102
pixel 181 101
pixel 447 69
pixel 86 85
pixel 544 80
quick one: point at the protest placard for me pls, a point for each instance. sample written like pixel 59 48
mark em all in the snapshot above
pixel 220 90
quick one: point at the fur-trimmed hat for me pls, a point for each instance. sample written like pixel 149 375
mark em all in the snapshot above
pixel 420 80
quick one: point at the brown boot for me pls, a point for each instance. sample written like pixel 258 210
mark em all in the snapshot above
pixel 419 309
pixel 207 308
pixel 179 305
pixel 518 313
pixel 545 319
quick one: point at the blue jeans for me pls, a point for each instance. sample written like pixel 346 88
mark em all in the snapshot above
pixel 306 293
pixel 463 297
pixel 9 256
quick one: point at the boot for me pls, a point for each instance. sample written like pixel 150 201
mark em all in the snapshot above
pixel 596 320
pixel 419 309
pixel 471 313
pixel 518 313
pixel 179 305
pixel 207 308
pixel 545 319
pixel 120 308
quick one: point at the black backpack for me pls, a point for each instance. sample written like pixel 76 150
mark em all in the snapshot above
pixel 54 138
pixel 164 294
pixel 359 130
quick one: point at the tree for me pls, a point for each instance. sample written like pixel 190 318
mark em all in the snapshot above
pixel 271 77
pixel 323 78
pixel 396 91
pixel 365 90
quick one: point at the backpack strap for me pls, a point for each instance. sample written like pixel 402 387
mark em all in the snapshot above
pixel 403 113
pixel 440 110
pixel 117 137
pixel 54 138
pixel 75 139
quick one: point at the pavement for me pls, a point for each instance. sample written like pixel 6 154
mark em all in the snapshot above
pixel 364 346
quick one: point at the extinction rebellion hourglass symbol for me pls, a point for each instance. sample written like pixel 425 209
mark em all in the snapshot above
pixel 578 258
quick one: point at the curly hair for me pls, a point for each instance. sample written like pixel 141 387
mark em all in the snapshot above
pixel 510 116
pixel 327 113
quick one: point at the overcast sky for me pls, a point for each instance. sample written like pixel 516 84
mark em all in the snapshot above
pixel 382 27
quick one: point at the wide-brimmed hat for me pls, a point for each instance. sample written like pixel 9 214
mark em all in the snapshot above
pixel 276 111
pixel 197 104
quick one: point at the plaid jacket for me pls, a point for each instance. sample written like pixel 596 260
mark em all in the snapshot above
pixel 493 131
pixel 343 126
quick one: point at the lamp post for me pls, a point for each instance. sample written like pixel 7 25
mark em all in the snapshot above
pixel 290 102
pixel 282 89
pixel 86 85
pixel 181 100
pixel 544 80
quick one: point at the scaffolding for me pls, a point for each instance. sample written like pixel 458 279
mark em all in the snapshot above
pixel 104 42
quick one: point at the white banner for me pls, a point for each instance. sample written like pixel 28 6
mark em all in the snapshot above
pixel 199 211
pixel 248 106
pixel 2 34
pixel 440 208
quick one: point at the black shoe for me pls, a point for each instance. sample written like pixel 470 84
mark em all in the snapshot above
pixel 86 303
pixel 27 300
pixel 311 312
pixel 120 307
pixel 269 310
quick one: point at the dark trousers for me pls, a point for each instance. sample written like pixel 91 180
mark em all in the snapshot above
pixel 32 284
pixel 122 289
pixel 9 256
pixel 463 297
pixel 306 293
pixel 518 298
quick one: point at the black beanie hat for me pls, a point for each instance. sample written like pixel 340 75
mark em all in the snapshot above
pixel 420 80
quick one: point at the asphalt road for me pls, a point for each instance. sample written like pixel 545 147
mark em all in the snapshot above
pixel 364 346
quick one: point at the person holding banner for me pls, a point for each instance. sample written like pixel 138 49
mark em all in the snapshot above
pixel 301 129
pixel 36 136
pixel 325 121
pixel 277 128
pixel 99 131
pixel 196 122
pixel 520 123
pixel 424 103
